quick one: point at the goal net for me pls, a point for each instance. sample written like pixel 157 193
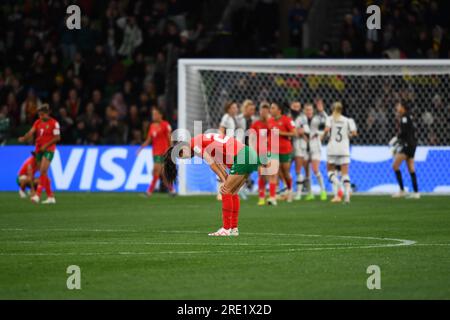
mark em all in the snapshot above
pixel 368 90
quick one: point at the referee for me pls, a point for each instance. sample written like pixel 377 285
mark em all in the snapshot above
pixel 407 147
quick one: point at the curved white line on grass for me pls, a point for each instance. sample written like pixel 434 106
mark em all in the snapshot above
pixel 399 242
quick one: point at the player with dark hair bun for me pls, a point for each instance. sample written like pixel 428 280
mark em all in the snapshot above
pixel 221 153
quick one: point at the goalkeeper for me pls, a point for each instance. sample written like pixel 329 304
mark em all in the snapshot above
pixel 404 149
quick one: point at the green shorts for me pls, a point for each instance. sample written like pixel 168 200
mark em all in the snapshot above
pixel 158 159
pixel 45 154
pixel 245 162
pixel 282 157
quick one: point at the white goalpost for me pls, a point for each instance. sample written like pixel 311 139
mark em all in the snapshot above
pixel 368 90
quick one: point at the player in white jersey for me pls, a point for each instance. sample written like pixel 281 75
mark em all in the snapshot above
pixel 340 129
pixel 314 130
pixel 299 145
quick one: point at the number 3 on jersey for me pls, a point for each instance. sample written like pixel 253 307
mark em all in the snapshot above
pixel 339 134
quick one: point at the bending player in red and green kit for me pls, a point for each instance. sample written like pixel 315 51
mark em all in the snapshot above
pixel 221 153
pixel 47 133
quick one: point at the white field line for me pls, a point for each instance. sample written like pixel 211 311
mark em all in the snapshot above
pixel 178 243
pixel 343 246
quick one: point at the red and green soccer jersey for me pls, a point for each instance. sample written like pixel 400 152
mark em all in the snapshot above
pixel 222 148
pixel 46 130
pixel 160 135
pixel 262 136
pixel 285 124
pixel 29 163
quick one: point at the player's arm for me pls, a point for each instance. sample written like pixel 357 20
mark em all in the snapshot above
pixel 352 128
pixel 327 129
pixel 146 143
pixel 28 136
pixel 219 169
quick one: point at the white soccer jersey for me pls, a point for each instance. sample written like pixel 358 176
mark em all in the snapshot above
pixel 229 124
pixel 316 127
pixel 300 122
pixel 339 143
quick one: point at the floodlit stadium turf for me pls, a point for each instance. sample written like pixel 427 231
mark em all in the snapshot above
pixel 128 246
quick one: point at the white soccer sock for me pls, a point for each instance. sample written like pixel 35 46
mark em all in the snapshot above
pixel 332 177
pixel 320 181
pixel 347 185
pixel 300 182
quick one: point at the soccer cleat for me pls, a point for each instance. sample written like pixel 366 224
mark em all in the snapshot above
pixel 309 197
pixel 148 194
pixel 172 193
pixel 222 232
pixel 298 196
pixel 414 195
pixel 272 202
pixel 35 198
pixel 234 232
pixel 22 194
pixel 261 201
pixel 399 194
pixel 323 196
pixel 49 200
pixel 336 199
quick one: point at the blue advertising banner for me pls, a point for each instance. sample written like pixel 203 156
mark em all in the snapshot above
pixel 118 169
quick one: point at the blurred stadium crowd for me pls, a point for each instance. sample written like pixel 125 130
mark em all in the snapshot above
pixel 101 81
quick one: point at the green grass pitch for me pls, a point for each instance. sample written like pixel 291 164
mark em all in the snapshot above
pixel 128 246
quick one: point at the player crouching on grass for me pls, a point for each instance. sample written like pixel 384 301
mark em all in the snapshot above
pixel 25 176
pixel 220 152
pixel 340 129
pixel 47 133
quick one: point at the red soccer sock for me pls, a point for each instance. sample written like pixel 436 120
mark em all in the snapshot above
pixel 273 190
pixel 48 187
pixel 152 185
pixel 227 210
pixel 41 185
pixel 261 187
pixel 235 215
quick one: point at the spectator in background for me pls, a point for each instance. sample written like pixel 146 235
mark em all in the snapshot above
pixel 88 123
pixel 66 123
pixel 135 127
pixel 73 104
pixel 114 132
pixel 5 125
pixel 98 67
pixel 29 107
pixel 132 36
